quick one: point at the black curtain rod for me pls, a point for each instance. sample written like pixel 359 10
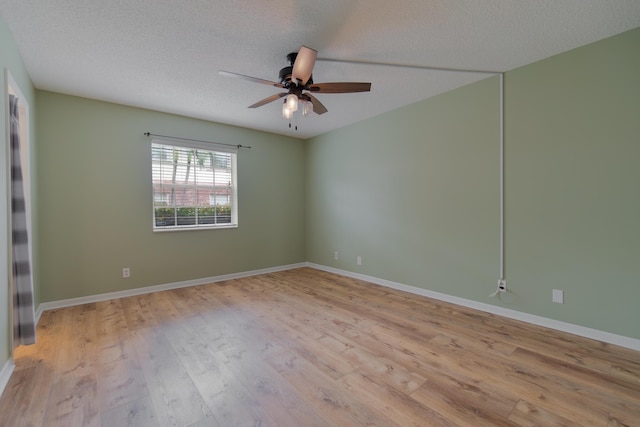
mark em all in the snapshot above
pixel 148 134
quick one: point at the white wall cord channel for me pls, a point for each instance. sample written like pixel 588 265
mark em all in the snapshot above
pixel 502 282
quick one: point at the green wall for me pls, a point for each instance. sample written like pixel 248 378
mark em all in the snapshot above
pixel 95 201
pixel 415 192
pixel 573 175
pixel 10 60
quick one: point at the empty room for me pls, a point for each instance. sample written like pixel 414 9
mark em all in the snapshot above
pixel 304 213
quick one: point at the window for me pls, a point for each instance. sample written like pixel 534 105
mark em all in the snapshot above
pixel 193 186
pixel 161 199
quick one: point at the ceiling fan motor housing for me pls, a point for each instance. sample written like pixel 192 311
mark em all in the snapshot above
pixel 285 76
pixel 285 73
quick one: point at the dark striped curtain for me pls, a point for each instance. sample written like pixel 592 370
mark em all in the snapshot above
pixel 24 328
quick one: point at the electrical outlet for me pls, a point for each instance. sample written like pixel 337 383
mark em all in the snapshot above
pixel 502 285
pixel 557 296
pixel 336 255
pixel 126 272
pixel 359 260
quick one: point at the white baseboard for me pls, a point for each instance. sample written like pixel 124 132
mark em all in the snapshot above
pixel 157 288
pixel 5 374
pixel 582 331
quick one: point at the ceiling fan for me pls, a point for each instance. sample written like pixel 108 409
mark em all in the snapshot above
pixel 299 85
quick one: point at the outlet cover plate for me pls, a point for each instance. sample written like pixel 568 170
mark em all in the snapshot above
pixel 558 296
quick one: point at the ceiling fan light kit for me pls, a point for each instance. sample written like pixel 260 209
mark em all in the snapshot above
pixel 297 79
pixel 292 102
pixel 307 107
pixel 287 113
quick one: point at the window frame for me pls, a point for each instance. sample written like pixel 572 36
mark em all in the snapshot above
pixel 208 148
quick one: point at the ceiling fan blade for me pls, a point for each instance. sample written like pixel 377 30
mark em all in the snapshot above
pixel 318 108
pixel 303 65
pixel 347 87
pixel 268 100
pixel 249 78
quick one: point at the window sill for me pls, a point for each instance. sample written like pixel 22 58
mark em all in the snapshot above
pixel 192 228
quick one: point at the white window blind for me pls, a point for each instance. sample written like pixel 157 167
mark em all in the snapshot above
pixel 194 186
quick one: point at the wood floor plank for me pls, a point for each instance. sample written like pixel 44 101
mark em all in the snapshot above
pixel 304 347
pixel 29 390
pixel 79 357
pixel 391 403
pixel 134 413
pixel 208 421
pixel 524 381
pixel 121 381
pixel 335 402
pixel 48 331
pixel 271 391
pixel 174 396
pixel 113 332
pixel 592 389
pixel 227 398
pixel 73 401
pixel 25 396
pixel 246 361
pixel 163 309
pixel 622 419
pixel 137 313
pixel 526 414
pixel 465 401
pixel 392 373
pixel 630 373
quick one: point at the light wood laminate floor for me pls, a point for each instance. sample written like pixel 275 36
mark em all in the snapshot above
pixel 308 348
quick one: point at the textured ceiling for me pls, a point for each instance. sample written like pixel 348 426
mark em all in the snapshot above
pixel 164 55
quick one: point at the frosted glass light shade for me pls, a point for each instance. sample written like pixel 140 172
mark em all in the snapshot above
pixel 292 102
pixel 307 107
pixel 286 112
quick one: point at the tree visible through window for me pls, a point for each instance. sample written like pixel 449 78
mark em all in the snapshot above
pixel 192 187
